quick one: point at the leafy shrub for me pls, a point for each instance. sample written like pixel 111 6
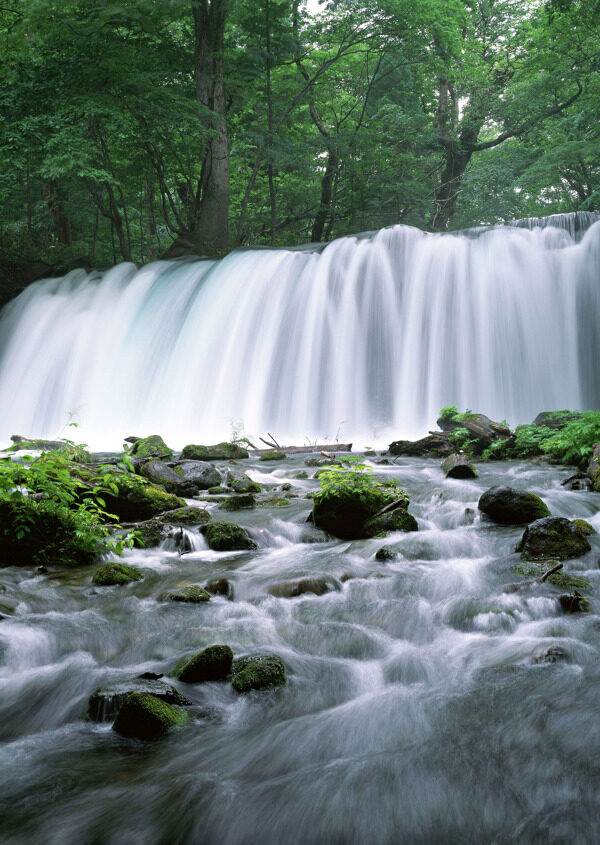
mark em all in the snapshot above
pixel 461 438
pixel 449 412
pixel 574 444
pixel 353 478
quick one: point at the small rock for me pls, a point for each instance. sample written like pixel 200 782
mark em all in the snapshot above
pixel 150 447
pixel 244 501
pixel 220 587
pixel 574 603
pixel 219 452
pixel 273 455
pixel 227 536
pixel 584 527
pixel 385 553
pixel 552 537
pixel 507 506
pixel 145 716
pixel 113 574
pixel 554 654
pixel 291 589
pixel 106 702
pixel 211 664
pixel 258 671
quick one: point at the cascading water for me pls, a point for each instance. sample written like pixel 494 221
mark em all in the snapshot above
pixel 366 339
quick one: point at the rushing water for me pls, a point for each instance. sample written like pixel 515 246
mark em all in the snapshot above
pixel 419 706
pixel 365 340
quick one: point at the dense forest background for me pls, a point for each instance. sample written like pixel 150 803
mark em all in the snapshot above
pixel 133 130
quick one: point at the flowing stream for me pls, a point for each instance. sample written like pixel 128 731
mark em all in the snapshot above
pixel 363 340
pixel 425 702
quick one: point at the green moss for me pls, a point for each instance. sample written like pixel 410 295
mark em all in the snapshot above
pixel 185 516
pixel 260 671
pixel 240 502
pixel 190 595
pixel 113 574
pixel 212 664
pixel 584 527
pixel 273 455
pixel 218 452
pixel 227 536
pixel 396 520
pixel 144 716
pixel 151 447
pixel 217 491
pixel 530 569
pixel 301 475
pixel 137 499
pixel 276 502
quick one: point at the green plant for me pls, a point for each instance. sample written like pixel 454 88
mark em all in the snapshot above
pixel 460 438
pixel 351 477
pixel 449 412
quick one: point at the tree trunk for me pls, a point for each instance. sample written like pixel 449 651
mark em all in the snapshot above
pixel 326 196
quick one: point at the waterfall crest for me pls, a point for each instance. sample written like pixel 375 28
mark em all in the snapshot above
pixel 365 339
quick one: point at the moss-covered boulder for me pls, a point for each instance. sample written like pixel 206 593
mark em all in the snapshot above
pixel 144 716
pixel 574 603
pixel 220 587
pixel 552 537
pixel 190 595
pixel 584 527
pixel 257 672
pixel 535 569
pixel 240 502
pixel 507 506
pixel 105 703
pixel 199 475
pixel 149 534
pixel 114 574
pixel 44 533
pixel 212 664
pixel 241 483
pixel 345 510
pixel 137 499
pixel 151 447
pixel 398 519
pixel 272 455
pixel 217 491
pixel 186 517
pixel 292 589
pixel 218 452
pixel 227 537
pixel 160 473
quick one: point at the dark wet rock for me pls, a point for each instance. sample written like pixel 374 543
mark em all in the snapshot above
pixel 51 538
pixel 385 553
pixel 468 517
pixel 593 470
pixel 555 419
pixel 115 574
pixel 301 475
pixel 159 473
pixel 347 576
pixel 481 428
pixel 211 664
pixel 151 447
pixel 148 534
pixel 574 603
pixel 346 512
pixel 552 537
pixel 320 462
pixel 238 503
pixel 553 654
pixel 398 519
pixel 241 483
pixel 220 587
pixel 198 475
pixel 151 676
pixel 272 455
pixel 257 672
pixel 217 491
pixel 106 702
pixel 292 589
pixel 186 517
pixel 383 462
pixel 275 502
pixel 536 570
pixel 218 452
pixel 584 527
pixel 189 595
pixel 227 536
pixel 42 570
pixel 432 446
pixel 137 500
pixel 458 466
pixel 507 506
pixel 145 716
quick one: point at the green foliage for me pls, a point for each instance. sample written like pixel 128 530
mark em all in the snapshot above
pixel 352 478
pixel 449 412
pixel 461 438
pixel 574 444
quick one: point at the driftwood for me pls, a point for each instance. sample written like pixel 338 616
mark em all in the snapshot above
pixel 514 587
pixel 458 466
pixel 306 450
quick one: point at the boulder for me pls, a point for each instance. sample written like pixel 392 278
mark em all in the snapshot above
pixel 507 506
pixel 257 672
pixel 212 664
pixel 432 446
pixel 584 527
pixel 398 519
pixel 240 483
pixel 458 466
pixel 385 553
pixel 217 491
pixel 219 452
pixel 272 455
pixel 574 603
pixel 227 536
pixel 193 594
pixel 552 537
pixel 345 512
pixel 198 475
pixel 185 517
pixel 238 503
pixel 220 587
pixel 292 589
pixel 144 716
pixel 149 534
pixel 106 702
pixel 137 499
pixel 114 574
pixel 159 473
pixel 481 428
pixel 151 447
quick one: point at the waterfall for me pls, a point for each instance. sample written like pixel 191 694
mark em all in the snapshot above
pixel 363 340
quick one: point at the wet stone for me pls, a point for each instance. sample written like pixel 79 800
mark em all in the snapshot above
pixel 105 703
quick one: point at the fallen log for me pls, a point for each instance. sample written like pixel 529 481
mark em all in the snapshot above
pixel 306 450
pixel 458 466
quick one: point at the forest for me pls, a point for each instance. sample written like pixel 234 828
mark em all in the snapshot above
pixel 166 127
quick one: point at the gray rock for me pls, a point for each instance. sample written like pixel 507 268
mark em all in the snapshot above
pixel 106 702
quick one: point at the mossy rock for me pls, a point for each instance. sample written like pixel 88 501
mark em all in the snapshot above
pixel 115 574
pixel 273 455
pixel 385 553
pixel 507 506
pixel 151 447
pixel 218 452
pixel 190 595
pixel 137 500
pixel 258 672
pixel 241 483
pixel 574 603
pixel 531 569
pixel 237 503
pixel 160 473
pixel 144 716
pixel 217 491
pixel 301 475
pixel 186 517
pixel 397 520
pixel 44 533
pixel 105 703
pixel 552 537
pixel 293 589
pixel 149 534
pixel 345 513
pixel 276 502
pixel 220 587
pixel 227 537
pixel 212 664
pixel 584 527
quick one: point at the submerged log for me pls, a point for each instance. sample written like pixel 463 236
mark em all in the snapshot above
pixel 457 466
